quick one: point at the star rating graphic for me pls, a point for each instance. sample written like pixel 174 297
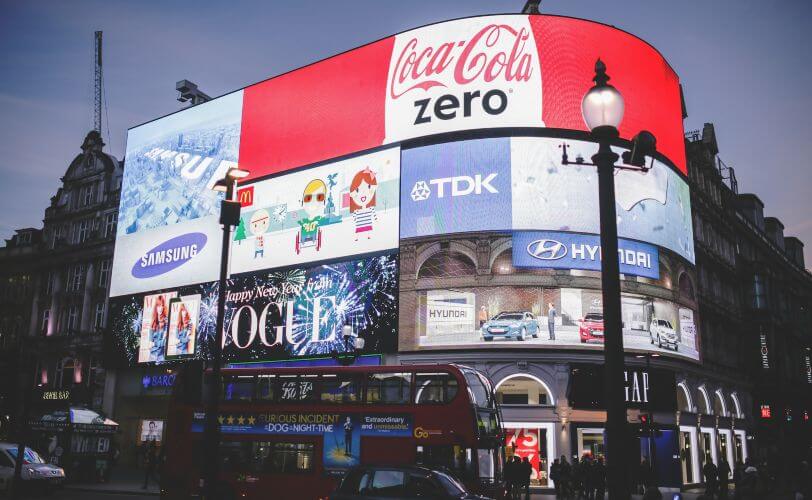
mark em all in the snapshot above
pixel 236 419
pixel 251 420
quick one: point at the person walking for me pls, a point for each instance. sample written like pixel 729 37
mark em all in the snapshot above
pixel 723 475
pixel 512 474
pixel 150 462
pixel 483 316
pixel 600 479
pixel 555 476
pixel 527 473
pixel 711 474
pixel 551 313
pixel 565 473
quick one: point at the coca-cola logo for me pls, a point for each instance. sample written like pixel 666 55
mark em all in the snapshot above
pixel 485 56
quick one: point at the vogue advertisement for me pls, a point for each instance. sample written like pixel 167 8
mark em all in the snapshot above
pixel 336 210
pixel 301 311
pixel 539 317
pixel 273 315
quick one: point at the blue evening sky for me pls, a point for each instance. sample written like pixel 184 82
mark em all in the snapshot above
pixel 743 64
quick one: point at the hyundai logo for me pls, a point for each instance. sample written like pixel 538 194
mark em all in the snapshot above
pixel 547 249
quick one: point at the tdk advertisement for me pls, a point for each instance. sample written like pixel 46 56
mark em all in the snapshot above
pixel 559 250
pixel 455 187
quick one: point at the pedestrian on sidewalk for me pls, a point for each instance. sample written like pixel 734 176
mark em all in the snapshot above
pixel 565 474
pixel 527 473
pixel 555 476
pixel 723 473
pixel 551 313
pixel 711 474
pixel 599 471
pixel 151 462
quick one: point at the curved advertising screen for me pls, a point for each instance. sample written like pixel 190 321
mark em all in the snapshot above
pixel 444 131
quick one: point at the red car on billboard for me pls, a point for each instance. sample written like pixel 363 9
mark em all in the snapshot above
pixel 590 328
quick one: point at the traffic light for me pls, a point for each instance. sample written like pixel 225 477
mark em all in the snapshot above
pixel 645 424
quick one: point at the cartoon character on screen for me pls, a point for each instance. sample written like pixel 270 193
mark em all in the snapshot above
pixel 313 203
pixel 362 202
pixel 158 329
pixel 184 330
pixel 260 221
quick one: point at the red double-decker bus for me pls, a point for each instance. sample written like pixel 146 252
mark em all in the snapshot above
pixel 295 431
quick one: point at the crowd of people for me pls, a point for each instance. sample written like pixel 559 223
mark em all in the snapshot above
pixel 518 472
pixel 581 479
pixel 754 480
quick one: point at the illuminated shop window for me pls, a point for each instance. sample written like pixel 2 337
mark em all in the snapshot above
pixel 447 264
pixel 523 390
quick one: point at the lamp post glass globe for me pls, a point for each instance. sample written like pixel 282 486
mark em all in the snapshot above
pixel 602 107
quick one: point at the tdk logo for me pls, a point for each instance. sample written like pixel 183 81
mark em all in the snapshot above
pixel 547 249
pixel 462 185
pixel 169 255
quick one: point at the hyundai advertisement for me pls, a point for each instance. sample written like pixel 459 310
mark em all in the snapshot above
pixel 541 317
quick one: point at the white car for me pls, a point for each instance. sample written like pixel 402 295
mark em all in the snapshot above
pixel 662 333
pixel 35 472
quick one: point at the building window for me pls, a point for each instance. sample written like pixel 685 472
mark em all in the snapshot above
pixel 83 230
pixel 46 322
pixel 73 319
pixel 522 390
pixel 64 373
pixel 86 194
pixel 104 273
pixel 759 292
pixel 77 279
pixel 98 318
pixel 110 224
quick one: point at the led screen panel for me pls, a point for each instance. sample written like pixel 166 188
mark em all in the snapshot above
pixel 287 313
pixel 546 318
pixel 345 208
pixel 519 183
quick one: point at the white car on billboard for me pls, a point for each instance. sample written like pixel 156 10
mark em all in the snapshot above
pixel 663 333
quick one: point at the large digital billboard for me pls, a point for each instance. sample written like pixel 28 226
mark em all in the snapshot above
pixel 546 318
pixel 345 208
pixel 286 313
pixel 519 183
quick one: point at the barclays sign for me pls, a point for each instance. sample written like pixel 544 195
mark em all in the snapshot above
pixel 559 250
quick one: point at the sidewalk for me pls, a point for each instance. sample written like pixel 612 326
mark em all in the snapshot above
pixel 122 480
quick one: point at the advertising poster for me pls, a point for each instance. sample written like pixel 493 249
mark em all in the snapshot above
pixel 154 327
pixel 341 209
pixel 524 316
pixel 654 207
pixel 558 250
pixel 152 430
pixel 342 446
pixel 525 443
pixel 520 184
pixel 456 187
pixel 183 320
pixel 301 311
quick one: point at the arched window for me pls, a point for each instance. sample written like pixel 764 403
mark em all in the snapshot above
pixel 704 401
pixel 737 407
pixel 503 264
pixel 447 264
pixel 686 286
pixel 523 389
pixel 719 407
pixel 684 402
pixel 64 373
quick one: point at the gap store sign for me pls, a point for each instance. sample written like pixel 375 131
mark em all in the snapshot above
pixel 560 250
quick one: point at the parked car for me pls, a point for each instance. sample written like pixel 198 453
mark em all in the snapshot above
pixel 35 473
pixel 590 328
pixel 662 333
pixel 400 482
pixel 507 325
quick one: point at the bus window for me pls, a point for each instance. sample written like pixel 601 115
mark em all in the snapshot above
pixel 234 456
pixel 339 388
pixel 486 465
pixel 452 458
pixel 294 388
pixel 238 389
pixel 266 388
pixel 388 388
pixel 388 483
pixel 487 422
pixel 291 457
pixel 432 388
pixel 480 392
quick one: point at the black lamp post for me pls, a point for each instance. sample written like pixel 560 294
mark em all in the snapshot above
pixel 602 108
pixel 229 217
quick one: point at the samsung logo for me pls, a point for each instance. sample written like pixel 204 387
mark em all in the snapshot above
pixel 547 249
pixel 169 255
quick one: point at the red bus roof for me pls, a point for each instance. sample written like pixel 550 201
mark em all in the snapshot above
pixel 322 370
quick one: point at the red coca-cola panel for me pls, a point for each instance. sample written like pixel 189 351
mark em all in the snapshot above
pixel 460 75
